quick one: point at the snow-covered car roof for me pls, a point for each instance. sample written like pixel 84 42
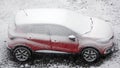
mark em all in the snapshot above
pixel 68 18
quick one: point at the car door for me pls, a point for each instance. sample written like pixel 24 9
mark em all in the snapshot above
pixel 39 37
pixel 60 39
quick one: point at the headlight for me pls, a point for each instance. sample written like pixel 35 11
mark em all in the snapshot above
pixel 106 40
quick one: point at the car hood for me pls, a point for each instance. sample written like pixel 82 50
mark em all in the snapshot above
pixel 99 29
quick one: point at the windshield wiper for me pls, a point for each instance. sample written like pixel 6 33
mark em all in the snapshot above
pixel 91 27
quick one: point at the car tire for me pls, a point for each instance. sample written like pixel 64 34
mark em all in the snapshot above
pixel 90 55
pixel 22 54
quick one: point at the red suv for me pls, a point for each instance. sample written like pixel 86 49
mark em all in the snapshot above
pixel 59 31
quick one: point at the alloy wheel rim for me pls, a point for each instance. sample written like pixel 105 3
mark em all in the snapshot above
pixel 90 55
pixel 22 54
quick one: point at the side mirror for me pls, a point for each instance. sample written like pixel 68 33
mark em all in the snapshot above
pixel 72 37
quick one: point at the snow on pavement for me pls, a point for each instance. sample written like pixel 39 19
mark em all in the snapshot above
pixel 105 9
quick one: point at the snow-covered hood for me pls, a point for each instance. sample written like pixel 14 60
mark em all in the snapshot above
pixel 99 29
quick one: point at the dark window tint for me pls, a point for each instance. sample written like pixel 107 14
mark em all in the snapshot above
pixel 23 28
pixel 60 30
pixel 32 28
pixel 39 29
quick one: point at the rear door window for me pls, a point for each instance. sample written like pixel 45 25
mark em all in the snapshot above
pixel 39 29
pixel 23 28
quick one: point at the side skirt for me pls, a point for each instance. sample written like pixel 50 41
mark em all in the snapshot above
pixel 51 51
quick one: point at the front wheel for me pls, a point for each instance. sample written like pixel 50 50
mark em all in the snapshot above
pixel 90 55
pixel 22 54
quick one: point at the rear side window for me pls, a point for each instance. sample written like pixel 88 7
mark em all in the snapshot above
pixel 23 28
pixel 32 28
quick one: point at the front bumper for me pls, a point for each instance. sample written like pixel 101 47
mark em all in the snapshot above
pixel 109 50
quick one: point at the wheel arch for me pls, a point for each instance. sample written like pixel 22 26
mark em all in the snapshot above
pixel 90 47
pixel 20 45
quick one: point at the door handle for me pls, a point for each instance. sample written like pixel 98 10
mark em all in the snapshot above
pixel 54 41
pixel 29 37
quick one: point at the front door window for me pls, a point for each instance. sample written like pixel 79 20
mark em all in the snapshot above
pixel 60 38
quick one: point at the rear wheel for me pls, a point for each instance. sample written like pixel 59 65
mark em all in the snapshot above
pixel 90 55
pixel 22 54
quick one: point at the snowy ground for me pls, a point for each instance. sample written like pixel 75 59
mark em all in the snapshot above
pixel 105 9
